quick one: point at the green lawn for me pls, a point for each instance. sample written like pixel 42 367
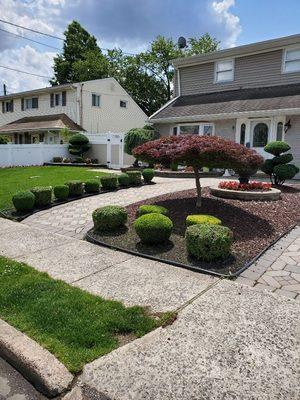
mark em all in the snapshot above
pixel 20 178
pixel 72 324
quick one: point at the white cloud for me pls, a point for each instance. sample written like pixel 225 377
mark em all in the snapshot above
pixel 231 22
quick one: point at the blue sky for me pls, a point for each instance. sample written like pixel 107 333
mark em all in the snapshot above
pixel 131 25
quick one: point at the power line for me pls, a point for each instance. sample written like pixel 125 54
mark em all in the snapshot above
pixel 31 40
pixel 24 72
pixel 31 30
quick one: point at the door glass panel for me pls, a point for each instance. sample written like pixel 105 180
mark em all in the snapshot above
pixel 243 133
pixel 279 131
pixel 260 135
pixel 189 130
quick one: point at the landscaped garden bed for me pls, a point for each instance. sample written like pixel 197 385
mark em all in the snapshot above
pixel 255 225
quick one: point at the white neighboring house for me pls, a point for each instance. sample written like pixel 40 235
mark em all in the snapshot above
pixel 94 107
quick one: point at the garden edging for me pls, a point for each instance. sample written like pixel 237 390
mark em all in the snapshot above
pixel 36 364
pixel 270 195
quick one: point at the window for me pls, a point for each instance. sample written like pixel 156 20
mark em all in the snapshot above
pixel 207 130
pixel 7 106
pixel 31 103
pixel 189 130
pixel 123 103
pixel 224 71
pixel 58 99
pixel 279 131
pixel 95 100
pixel 291 60
pixel 243 134
pixel 175 131
pixel 260 135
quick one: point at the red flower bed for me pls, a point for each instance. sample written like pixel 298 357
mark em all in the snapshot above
pixel 234 185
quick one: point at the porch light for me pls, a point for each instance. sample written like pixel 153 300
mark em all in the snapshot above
pixel 287 126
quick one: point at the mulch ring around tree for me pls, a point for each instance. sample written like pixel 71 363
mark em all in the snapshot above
pixel 255 225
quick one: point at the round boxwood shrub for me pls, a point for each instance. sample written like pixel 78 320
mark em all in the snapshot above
pixel 208 242
pixel 135 178
pixel 153 228
pixel 61 192
pixel 24 200
pixel 92 186
pixel 123 179
pixel 148 174
pixel 109 182
pixel 149 209
pixel 75 188
pixel 43 195
pixel 109 218
pixel 202 219
pixel 277 147
pixel 285 171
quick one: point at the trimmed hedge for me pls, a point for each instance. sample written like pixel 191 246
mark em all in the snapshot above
pixel 109 182
pixel 135 178
pixel 149 209
pixel 202 219
pixel 57 159
pixel 109 218
pixel 208 242
pixel 285 171
pixel 123 179
pixel 148 174
pixel 92 186
pixel 61 192
pixel 24 200
pixel 43 195
pixel 277 147
pixel 153 228
pixel 75 188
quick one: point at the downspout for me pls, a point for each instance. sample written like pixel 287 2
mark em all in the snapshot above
pixel 178 82
pixel 79 112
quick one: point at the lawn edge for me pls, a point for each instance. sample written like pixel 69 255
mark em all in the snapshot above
pixel 35 363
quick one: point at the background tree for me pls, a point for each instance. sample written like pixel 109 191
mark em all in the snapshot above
pixel 137 136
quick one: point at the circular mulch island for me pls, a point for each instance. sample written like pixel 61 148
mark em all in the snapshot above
pixel 268 195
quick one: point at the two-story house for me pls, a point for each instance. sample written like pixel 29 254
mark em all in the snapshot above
pixel 97 106
pixel 249 94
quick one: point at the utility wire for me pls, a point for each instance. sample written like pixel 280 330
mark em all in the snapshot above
pixel 27 38
pixel 24 72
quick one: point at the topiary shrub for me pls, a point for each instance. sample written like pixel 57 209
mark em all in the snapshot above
pixel 149 209
pixel 61 192
pixel 109 218
pixel 208 242
pixel 153 228
pixel 148 174
pixel 92 186
pixel 75 188
pixel 57 159
pixel 24 200
pixel 278 168
pixel 123 179
pixel 135 178
pixel 202 219
pixel 43 195
pixel 109 182
pixel 78 144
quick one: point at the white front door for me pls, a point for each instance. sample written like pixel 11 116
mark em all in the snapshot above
pixel 260 135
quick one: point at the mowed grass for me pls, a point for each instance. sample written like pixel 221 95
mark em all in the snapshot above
pixel 15 179
pixel 75 326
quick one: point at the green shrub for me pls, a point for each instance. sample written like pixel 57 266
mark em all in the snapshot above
pixel 75 188
pixel 148 174
pixel 61 192
pixel 208 242
pixel 277 147
pixel 78 144
pixel 135 178
pixel 43 195
pixel 79 160
pixel 283 159
pixel 24 200
pixel 202 219
pixel 286 171
pixel 174 166
pixel 123 179
pixel 92 186
pixel 57 159
pixel 153 228
pixel 267 167
pixel 109 218
pixel 149 209
pixel 109 182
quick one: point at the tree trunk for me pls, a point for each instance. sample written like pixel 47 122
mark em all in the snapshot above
pixel 198 187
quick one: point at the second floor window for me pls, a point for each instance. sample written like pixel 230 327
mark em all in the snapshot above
pixel 58 99
pixel 224 71
pixel 32 102
pixel 7 106
pixel 291 61
pixel 95 100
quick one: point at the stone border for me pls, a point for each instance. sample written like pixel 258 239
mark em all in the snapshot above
pixel 270 195
pixel 36 364
pixel 182 174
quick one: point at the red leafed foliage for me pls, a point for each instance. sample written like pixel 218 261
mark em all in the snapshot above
pixel 199 151
pixel 254 185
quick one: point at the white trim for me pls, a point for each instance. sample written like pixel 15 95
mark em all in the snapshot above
pixel 97 95
pixel 216 81
pixel 164 106
pixel 283 60
pixel 178 82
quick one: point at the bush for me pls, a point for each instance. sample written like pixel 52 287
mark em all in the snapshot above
pixel 148 174
pixel 277 147
pixel 109 182
pixel 208 242
pixel 87 160
pixel 78 144
pixel 283 159
pixel 43 195
pixel 95 161
pixel 149 209
pixel 202 219
pixel 92 186
pixel 153 228
pixel 61 192
pixel 75 188
pixel 23 201
pixel 123 179
pixel 287 171
pixel 109 218
pixel 57 159
pixel 135 178
pixel 66 160
pixel 79 160
pixel 174 166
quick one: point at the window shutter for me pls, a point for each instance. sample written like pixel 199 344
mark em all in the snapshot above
pixel 3 107
pixel 52 100
pixel 63 98
pixel 22 104
pixel 12 106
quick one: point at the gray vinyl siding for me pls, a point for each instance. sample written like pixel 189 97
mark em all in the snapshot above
pixel 225 128
pixel 292 137
pixel 249 71
pixel 163 129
